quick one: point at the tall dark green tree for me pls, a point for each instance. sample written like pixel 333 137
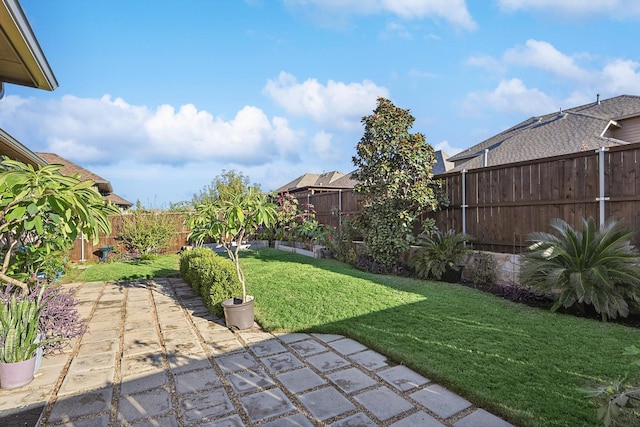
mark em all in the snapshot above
pixel 395 177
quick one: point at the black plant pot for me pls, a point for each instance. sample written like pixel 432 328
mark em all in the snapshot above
pixel 452 275
pixel 238 314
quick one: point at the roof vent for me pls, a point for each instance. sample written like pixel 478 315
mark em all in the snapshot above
pixel 598 99
pixel 561 115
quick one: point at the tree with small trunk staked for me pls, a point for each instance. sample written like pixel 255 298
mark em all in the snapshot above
pixel 395 177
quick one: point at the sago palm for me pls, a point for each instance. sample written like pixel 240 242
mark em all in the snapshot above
pixel 597 266
pixel 438 252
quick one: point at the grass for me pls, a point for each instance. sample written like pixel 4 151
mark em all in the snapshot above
pixel 521 363
pixel 161 266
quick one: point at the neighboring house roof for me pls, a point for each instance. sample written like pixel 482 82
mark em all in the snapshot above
pixel 334 181
pixel 442 163
pixel 22 61
pixel 587 127
pixel 329 181
pixel 118 201
pixel 70 168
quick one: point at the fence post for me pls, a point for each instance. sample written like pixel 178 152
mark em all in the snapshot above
pixel 340 207
pixel 464 202
pixel 82 247
pixel 602 197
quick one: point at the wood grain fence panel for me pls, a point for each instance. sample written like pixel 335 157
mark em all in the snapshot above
pixel 84 250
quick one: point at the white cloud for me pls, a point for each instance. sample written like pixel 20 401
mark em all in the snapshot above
pixel 621 76
pixel 335 105
pixel 617 9
pixel 447 148
pixel 543 55
pixel 107 130
pixel 510 96
pixel 396 29
pixel 322 146
pixel 486 61
pixel 610 77
pixel 453 11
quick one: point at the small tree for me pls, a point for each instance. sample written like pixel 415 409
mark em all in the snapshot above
pixel 229 219
pixel 395 177
pixel 44 210
pixel 227 184
pixel 145 231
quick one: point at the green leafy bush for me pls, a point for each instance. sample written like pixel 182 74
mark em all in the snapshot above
pixel 187 259
pixel 439 252
pixel 147 232
pixel 211 276
pixel 341 242
pixel 597 267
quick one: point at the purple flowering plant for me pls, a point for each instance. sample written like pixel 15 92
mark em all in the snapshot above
pixel 59 320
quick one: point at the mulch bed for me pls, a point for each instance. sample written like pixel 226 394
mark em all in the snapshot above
pixel 527 296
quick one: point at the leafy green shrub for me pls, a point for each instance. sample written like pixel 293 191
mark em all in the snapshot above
pixel 147 232
pixel 438 253
pixel 211 276
pixel 219 282
pixel 596 267
pixel 341 242
pixel 484 269
pixel 188 269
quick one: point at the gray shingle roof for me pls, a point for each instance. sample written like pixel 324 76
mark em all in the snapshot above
pixel 573 130
pixel 331 180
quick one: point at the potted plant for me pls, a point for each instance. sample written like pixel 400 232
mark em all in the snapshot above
pixel 440 255
pixel 20 338
pixel 41 212
pixel 229 220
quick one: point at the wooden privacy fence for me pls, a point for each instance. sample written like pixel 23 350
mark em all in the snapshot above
pixel 332 206
pixel 501 205
pixel 84 250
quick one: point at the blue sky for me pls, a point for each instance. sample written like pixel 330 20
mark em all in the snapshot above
pixel 160 96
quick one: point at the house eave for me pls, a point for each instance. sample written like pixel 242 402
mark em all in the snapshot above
pixel 17 37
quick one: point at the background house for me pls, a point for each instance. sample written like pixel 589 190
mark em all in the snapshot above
pixel 101 184
pixel 313 183
pixel 603 123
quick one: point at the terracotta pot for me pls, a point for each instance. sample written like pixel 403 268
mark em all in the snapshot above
pixel 14 375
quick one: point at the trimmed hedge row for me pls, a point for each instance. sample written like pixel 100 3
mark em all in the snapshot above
pixel 211 276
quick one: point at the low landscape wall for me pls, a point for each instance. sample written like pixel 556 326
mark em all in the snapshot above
pixel 507 267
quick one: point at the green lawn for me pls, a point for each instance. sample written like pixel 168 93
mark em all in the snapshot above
pixel 521 363
pixel 161 266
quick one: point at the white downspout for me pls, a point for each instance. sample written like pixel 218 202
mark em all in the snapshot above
pixel 464 201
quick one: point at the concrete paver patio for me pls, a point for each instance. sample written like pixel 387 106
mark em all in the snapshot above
pixel 155 356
